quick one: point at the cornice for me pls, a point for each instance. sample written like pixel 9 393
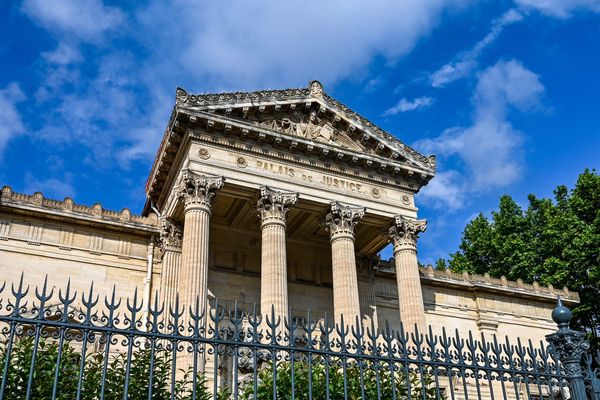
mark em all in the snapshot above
pixel 485 282
pixel 67 208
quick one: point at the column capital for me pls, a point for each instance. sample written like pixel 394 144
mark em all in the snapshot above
pixel 273 205
pixel 342 218
pixel 198 190
pixel 171 235
pixel 405 231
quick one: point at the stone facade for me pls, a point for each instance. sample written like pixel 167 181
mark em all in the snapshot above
pixel 281 199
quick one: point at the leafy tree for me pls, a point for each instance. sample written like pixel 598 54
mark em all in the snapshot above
pixel 554 241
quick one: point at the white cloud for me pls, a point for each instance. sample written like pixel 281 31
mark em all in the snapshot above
pixel 86 20
pixel 444 191
pixel 490 148
pixel 64 54
pixel 242 44
pixel 560 8
pixel 404 105
pixel 119 111
pixel 466 62
pixel 11 123
pixel 53 187
pixel 373 84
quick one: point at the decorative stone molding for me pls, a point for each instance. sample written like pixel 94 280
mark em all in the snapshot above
pixel 273 204
pixel 446 276
pixel 171 235
pixel 404 231
pixel 342 219
pixel 68 207
pixel 302 119
pixel 199 190
pixel 316 89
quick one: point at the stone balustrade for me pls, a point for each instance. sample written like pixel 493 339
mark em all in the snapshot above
pixel 37 200
pixel 428 272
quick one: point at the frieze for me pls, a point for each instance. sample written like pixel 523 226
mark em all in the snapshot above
pixel 314 178
pixel 264 152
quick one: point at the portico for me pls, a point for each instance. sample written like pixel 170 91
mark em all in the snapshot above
pixel 284 199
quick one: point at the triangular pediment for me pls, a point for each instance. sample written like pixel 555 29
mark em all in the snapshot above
pixel 300 121
pixel 310 114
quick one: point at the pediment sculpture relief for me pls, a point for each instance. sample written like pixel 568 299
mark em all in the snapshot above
pixel 310 127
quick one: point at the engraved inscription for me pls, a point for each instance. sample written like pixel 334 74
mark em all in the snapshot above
pixel 325 180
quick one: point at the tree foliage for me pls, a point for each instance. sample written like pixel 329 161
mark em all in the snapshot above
pixel 375 380
pixel 554 241
pixel 47 358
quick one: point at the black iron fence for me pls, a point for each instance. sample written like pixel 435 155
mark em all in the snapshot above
pixel 59 344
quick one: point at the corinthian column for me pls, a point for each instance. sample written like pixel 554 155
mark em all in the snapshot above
pixel 272 208
pixel 197 193
pixel 340 222
pixel 404 233
pixel 171 235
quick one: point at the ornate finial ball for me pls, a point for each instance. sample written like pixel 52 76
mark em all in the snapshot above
pixel 561 314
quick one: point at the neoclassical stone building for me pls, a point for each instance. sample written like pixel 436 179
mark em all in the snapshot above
pixel 281 198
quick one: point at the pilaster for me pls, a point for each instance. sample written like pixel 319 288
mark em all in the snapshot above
pixel 170 240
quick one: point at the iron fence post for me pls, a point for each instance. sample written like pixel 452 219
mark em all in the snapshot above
pixel 568 347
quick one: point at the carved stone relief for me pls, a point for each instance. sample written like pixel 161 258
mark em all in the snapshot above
pixel 307 126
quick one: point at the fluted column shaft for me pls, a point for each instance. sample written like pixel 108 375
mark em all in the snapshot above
pixel 272 207
pixel 345 282
pixel 404 234
pixel 197 192
pixel 273 284
pixel 194 257
pixel 340 222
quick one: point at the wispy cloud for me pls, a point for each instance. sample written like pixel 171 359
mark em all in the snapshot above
pixel 404 105
pixel 53 187
pixel 90 93
pixel 466 62
pixel 560 8
pixel 86 20
pixel 11 122
pixel 244 57
pixel 490 149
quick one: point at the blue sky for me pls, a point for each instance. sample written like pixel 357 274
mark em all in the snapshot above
pixel 505 93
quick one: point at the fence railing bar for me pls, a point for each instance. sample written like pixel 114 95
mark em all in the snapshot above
pixel 355 360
